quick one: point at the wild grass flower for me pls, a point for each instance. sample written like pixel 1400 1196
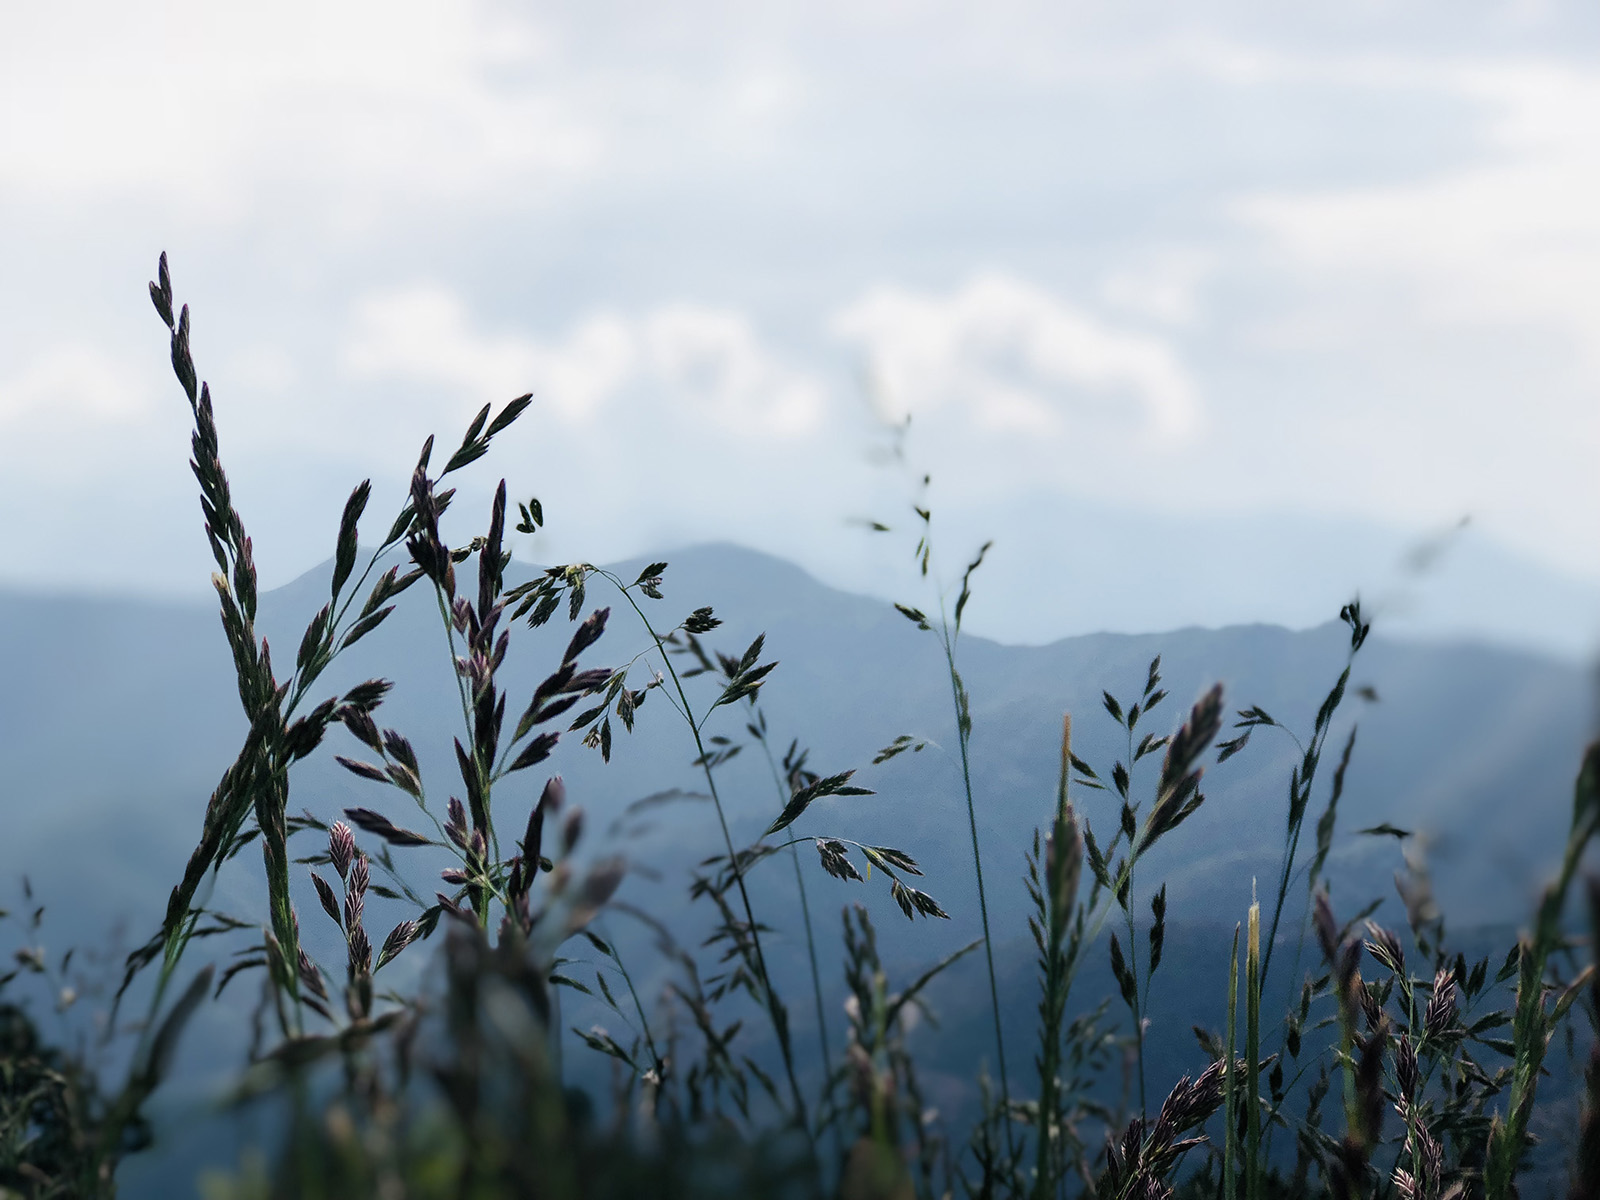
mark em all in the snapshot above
pixel 459 1091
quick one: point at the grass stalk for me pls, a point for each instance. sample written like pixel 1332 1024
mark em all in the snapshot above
pixel 1134 1005
pixel 805 909
pixel 1230 1081
pixel 1304 779
pixel 775 1011
pixel 1058 906
pixel 962 703
pixel 638 1006
pixel 1533 1026
pixel 495 1052
pixel 1252 1053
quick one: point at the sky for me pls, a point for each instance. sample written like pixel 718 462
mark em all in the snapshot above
pixel 1204 313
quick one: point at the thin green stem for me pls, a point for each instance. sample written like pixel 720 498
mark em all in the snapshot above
pixel 805 913
pixel 1252 1050
pixel 1138 1015
pixel 1292 844
pixel 638 1007
pixel 310 675
pixel 1057 917
pixel 450 637
pixel 1140 1004
pixel 962 737
pixel 1230 1077
pixel 482 767
pixel 1290 850
pixel 780 1022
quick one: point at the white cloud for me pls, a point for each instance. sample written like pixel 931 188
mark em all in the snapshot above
pixel 204 104
pixel 1511 238
pixel 266 370
pixel 1161 285
pixel 425 333
pixel 79 428
pixel 721 372
pixel 1017 359
pixel 71 385
pixel 1471 290
pixel 704 364
pixel 580 163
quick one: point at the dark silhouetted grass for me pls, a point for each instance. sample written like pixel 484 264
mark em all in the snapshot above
pixel 455 1088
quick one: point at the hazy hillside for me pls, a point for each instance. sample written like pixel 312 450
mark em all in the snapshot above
pixel 117 717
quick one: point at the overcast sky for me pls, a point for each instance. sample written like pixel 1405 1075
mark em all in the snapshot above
pixel 1309 280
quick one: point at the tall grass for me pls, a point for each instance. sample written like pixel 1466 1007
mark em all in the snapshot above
pixel 948 632
pixel 455 1088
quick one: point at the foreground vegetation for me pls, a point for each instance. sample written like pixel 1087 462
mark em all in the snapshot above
pixel 1401 1067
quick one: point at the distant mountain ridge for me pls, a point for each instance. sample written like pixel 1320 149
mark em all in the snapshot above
pixel 1067 565
pixel 126 711
pixel 117 717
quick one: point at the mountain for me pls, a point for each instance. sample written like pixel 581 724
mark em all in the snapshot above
pixel 1111 565
pixel 117 718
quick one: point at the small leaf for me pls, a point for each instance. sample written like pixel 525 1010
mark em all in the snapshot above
pixel 165 1044
pixel 801 799
pixel 330 903
pixel 536 751
pixel 1149 744
pixel 1226 750
pixel 1254 715
pixel 345 554
pixel 914 615
pixel 1119 970
pixel 901 744
pixel 474 429
pixel 586 634
pixel 379 825
pixel 1158 928
pixel 401 936
pixel 366 696
pixel 508 414
pixel 599 1039
pixel 312 638
pixel 364 769
pixel 365 626
pixel 532 517
pixel 568 981
pixel 701 621
pixel 1331 703
pixel 1112 706
pixel 752 654
pixel 898 859
pixel 835 860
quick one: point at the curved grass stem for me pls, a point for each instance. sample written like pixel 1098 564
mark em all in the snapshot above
pixel 779 1018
